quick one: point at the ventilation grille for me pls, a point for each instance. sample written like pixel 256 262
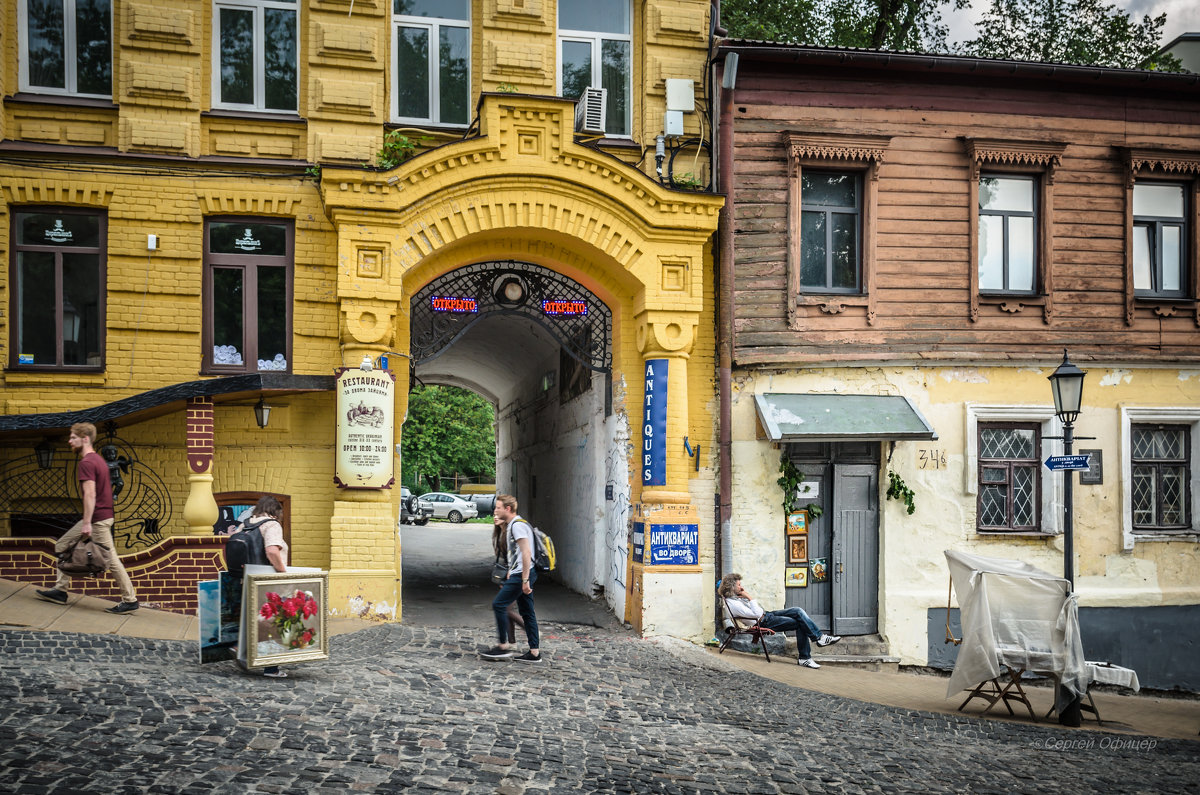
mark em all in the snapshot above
pixel 589 111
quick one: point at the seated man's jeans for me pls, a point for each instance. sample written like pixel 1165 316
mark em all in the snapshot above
pixel 793 618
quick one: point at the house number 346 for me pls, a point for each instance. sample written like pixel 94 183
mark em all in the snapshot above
pixel 931 458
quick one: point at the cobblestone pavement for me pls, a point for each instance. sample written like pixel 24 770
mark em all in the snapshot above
pixel 414 709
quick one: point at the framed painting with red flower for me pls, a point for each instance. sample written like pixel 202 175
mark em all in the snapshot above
pixel 285 618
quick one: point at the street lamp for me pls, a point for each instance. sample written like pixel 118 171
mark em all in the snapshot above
pixel 1067 385
pixel 262 412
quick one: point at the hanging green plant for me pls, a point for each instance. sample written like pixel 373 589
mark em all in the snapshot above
pixel 789 480
pixel 814 510
pixel 899 490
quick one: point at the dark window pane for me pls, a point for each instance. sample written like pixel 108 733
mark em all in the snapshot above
pixel 235 238
pixel 603 16
pixel 845 250
pixel 812 250
pixel 280 58
pixel 1144 495
pixel 412 72
pixel 46 54
pixel 576 68
pixel 237 56
pixel 454 50
pixel 993 506
pixel 829 190
pixel 81 309
pixel 61 230
pixel 272 318
pixel 615 75
pixel 36 335
pixel 93 47
pixel 228 316
pixel 446 9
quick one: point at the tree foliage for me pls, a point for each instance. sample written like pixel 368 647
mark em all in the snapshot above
pixel 1088 32
pixel 903 25
pixel 448 431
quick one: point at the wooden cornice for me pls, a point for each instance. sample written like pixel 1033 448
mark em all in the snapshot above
pixel 832 146
pixel 1042 154
pixel 1170 161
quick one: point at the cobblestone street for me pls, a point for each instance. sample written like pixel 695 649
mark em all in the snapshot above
pixel 414 709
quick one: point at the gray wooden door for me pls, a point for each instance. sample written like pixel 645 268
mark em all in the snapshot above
pixel 854 567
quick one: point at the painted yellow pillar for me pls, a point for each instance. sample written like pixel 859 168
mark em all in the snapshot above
pixel 669 336
pixel 200 511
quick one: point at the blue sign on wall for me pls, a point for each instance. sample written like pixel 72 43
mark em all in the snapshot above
pixel 639 542
pixel 654 424
pixel 674 544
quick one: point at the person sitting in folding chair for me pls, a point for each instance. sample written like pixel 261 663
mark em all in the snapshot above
pixel 742 605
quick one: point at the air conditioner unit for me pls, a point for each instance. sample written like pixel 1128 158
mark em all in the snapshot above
pixel 589 111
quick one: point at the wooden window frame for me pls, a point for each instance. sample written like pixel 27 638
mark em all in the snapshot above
pixel 1033 463
pixel 1189 466
pixel 250 305
pixel 1159 165
pixel 101 252
pixel 831 152
pixel 1037 159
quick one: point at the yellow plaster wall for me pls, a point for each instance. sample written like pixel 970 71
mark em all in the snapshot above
pixel 913 574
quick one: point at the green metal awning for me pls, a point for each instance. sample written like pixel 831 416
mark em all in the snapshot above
pixel 830 418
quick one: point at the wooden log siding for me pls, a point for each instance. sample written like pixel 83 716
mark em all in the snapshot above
pixel 925 303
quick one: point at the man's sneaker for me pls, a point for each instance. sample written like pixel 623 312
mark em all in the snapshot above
pixel 807 662
pixel 498 653
pixel 54 595
pixel 530 658
pixel 828 640
pixel 123 607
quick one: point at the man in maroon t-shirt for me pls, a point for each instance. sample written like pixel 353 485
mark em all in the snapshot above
pixel 97 521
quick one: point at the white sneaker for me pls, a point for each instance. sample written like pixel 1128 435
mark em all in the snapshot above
pixel 807 662
pixel 828 640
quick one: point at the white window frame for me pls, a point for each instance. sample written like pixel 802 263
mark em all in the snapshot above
pixel 1051 486
pixel 260 61
pixel 596 39
pixel 70 65
pixel 434 26
pixel 1167 415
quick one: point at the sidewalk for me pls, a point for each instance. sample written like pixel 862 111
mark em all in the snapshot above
pixel 1148 715
pixel 1154 716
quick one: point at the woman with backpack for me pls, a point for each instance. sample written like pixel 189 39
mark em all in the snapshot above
pixel 266 518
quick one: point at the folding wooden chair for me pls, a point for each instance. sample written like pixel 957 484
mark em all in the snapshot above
pixel 1005 689
pixel 743 626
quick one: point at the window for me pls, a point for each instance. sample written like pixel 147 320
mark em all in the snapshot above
pixel 1159 240
pixel 57 288
pixel 255 44
pixel 66 47
pixel 1007 233
pixel 1009 471
pixel 595 49
pixel 247 295
pixel 1161 476
pixel 830 233
pixel 431 61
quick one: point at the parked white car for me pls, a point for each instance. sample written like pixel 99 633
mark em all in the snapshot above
pixel 450 506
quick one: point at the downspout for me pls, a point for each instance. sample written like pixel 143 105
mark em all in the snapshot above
pixel 725 315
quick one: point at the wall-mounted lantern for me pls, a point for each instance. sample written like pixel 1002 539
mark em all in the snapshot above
pixel 45 454
pixel 262 412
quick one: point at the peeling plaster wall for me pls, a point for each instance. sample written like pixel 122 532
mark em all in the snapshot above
pixel 913 574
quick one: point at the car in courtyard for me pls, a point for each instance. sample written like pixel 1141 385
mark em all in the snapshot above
pixel 413 509
pixel 485 503
pixel 450 506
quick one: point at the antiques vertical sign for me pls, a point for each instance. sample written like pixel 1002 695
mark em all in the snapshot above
pixel 654 424
pixel 366 415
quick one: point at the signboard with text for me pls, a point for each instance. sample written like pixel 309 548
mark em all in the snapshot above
pixel 654 424
pixel 366 411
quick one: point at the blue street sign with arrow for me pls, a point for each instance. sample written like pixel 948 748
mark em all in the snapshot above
pixel 1058 462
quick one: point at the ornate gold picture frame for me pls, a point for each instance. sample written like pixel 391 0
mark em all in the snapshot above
pixel 284 618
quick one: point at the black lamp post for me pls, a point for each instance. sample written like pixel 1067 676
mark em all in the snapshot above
pixel 1067 385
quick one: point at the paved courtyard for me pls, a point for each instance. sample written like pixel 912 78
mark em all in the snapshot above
pixel 411 708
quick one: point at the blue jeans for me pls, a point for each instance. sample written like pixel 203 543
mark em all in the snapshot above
pixel 510 591
pixel 793 618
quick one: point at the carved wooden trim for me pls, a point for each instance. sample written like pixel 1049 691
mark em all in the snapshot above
pixel 1165 161
pixel 862 153
pixel 1017 157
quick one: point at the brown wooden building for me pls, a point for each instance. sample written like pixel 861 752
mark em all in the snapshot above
pixel 927 234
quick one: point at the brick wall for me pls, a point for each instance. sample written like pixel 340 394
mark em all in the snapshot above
pixel 164 576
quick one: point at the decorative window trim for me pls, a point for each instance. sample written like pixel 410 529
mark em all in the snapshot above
pixel 1051 487
pixel 862 153
pixel 1167 165
pixel 1039 158
pixel 1170 415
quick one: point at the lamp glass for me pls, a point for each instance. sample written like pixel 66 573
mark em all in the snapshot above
pixel 262 413
pixel 1066 384
pixel 45 454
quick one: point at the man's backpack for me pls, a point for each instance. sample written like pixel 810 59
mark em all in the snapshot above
pixel 544 557
pixel 246 548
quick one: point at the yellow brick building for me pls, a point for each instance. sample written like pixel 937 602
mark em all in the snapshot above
pixel 200 216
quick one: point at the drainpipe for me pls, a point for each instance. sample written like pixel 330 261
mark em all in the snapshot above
pixel 725 315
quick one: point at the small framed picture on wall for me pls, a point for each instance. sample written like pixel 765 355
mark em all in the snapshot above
pixel 798 549
pixel 795 577
pixel 797 522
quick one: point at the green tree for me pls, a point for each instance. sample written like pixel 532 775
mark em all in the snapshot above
pixel 1088 32
pixel 904 25
pixel 448 430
